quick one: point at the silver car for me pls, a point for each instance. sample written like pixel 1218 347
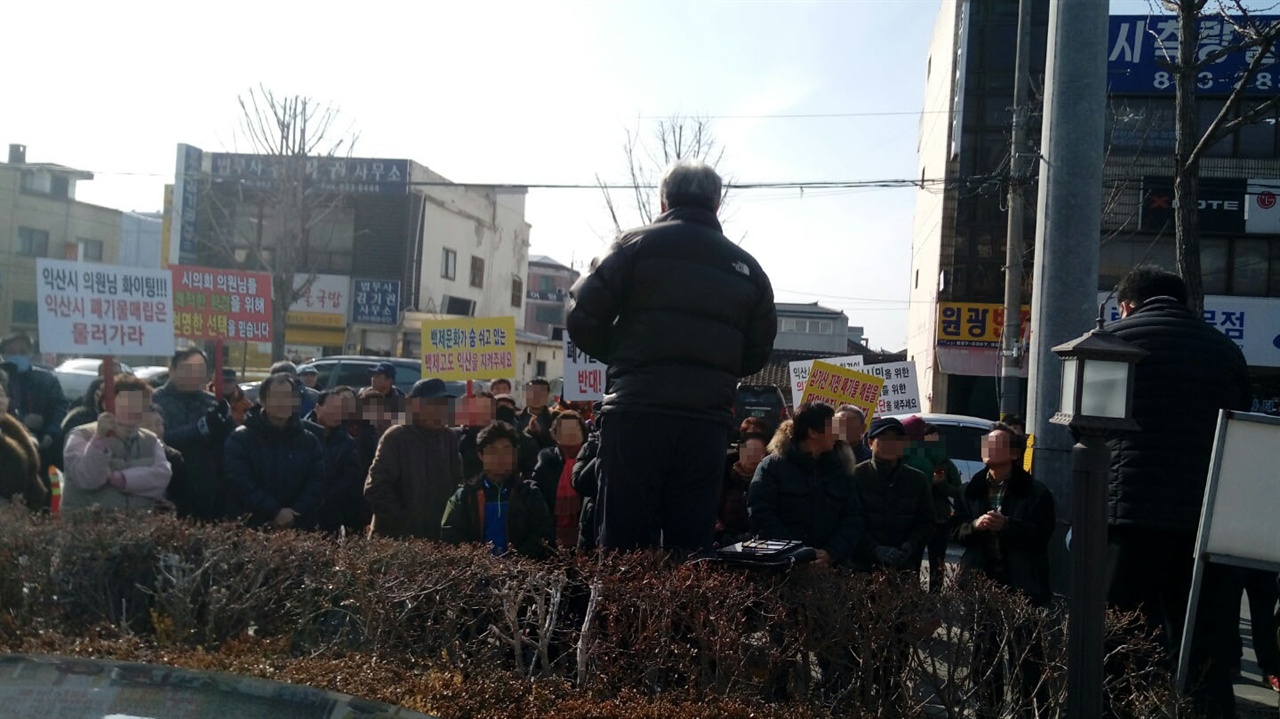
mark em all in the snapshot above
pixel 75 375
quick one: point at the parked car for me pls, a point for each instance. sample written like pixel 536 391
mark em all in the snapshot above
pixel 353 371
pixel 155 375
pixel 763 401
pixel 75 375
pixel 963 437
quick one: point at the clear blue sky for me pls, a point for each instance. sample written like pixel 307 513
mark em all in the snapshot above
pixel 517 92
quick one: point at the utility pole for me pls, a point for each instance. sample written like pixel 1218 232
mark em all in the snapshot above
pixel 1010 344
pixel 1065 300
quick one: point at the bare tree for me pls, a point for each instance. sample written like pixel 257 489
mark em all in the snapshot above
pixel 1255 38
pixel 268 227
pixel 674 138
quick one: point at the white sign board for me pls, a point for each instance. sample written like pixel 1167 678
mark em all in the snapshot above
pixel 901 393
pixel 1252 322
pixel 324 303
pixel 799 373
pixel 584 376
pixel 1262 207
pixel 92 310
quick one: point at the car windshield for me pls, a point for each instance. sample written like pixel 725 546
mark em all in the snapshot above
pixel 963 443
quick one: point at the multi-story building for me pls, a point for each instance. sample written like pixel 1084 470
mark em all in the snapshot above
pixel 547 294
pixel 958 243
pixel 41 217
pixel 812 328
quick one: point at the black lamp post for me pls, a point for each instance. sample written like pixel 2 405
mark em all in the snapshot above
pixel 1097 399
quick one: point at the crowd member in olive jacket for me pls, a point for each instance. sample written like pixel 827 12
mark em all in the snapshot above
pixel 802 490
pixel 196 424
pixel 554 476
pixel 1158 474
pixel 416 469
pixel 1005 519
pixel 897 504
pixel 274 466
pixel 498 507
pixel 343 482
pixel 945 484
pixel 679 313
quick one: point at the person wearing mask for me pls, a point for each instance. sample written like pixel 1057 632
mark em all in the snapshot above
pixel 343 493
pixel 114 463
pixel 307 397
pixel 1005 519
pixel 196 424
pixel 19 458
pixel 553 475
pixel 946 485
pixel 382 380
pixel 896 499
pixel 734 523
pixel 851 421
pixel 477 412
pixel 87 409
pixel 35 396
pixel 416 469
pixel 274 467
pixel 679 313
pixel 536 418
pixel 802 490
pixel 498 508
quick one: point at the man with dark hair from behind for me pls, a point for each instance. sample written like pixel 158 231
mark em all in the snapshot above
pixel 680 313
pixel 1158 473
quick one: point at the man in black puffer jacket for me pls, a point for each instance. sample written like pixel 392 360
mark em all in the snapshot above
pixel 1158 473
pixel 679 313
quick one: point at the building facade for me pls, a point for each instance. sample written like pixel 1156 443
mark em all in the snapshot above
pixel 959 231
pixel 41 217
pixel 547 294
pixel 812 328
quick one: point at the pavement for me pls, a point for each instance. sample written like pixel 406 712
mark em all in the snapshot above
pixel 1253 697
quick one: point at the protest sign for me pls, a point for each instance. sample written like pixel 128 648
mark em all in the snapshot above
pixel 799 373
pixel 901 391
pixel 584 376
pixel 216 304
pixel 469 348
pixel 97 310
pixel 839 385
pixel 375 302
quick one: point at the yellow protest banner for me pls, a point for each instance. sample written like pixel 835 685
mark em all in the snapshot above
pixel 1026 458
pixel 469 348
pixel 838 385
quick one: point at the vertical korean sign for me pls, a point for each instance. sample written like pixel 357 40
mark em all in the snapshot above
pixel 838 385
pixel 92 309
pixel 584 376
pixel 469 348
pixel 375 302
pixel 215 304
pixel 186 203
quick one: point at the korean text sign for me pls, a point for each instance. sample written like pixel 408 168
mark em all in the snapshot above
pixel 967 324
pixel 211 304
pixel 799 373
pixel 1253 323
pixel 92 309
pixel 1141 49
pixel 323 303
pixel 839 385
pixel 584 376
pixel 469 348
pixel 901 391
pixel 375 302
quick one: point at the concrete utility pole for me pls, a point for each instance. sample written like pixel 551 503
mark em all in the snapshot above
pixel 1065 300
pixel 1010 357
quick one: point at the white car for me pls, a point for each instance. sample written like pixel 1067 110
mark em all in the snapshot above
pixel 76 375
pixel 963 437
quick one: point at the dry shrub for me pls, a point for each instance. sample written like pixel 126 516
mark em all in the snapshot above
pixel 456 632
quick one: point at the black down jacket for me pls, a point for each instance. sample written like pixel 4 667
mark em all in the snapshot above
pixel 1193 370
pixel 797 496
pixel 1018 555
pixel 679 313
pixel 269 469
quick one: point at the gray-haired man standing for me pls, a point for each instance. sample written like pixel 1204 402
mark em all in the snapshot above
pixel 679 313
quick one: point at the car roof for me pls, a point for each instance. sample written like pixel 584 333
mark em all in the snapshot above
pixel 954 420
pixel 409 361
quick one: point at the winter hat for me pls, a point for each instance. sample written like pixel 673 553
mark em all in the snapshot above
pixel 914 427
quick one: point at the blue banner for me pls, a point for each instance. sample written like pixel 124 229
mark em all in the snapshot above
pixel 345 175
pixel 1142 49
pixel 375 302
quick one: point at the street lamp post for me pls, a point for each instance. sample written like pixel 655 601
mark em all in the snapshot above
pixel 1097 399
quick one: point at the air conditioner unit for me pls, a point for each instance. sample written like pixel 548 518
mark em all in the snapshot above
pixel 458 306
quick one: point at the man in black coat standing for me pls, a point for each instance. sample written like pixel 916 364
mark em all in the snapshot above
pixel 1158 474
pixel 679 313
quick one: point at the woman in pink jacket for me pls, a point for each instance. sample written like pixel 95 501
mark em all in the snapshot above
pixel 114 463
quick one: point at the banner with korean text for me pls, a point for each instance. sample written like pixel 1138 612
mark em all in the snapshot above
pixel 839 385
pixel 901 393
pixel 375 302
pixel 799 373
pixel 94 310
pixel 469 348
pixel 323 304
pixel 212 304
pixel 971 324
pixel 584 376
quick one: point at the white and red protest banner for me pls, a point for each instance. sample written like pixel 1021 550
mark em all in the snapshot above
pixel 217 304
pixel 799 373
pixel 97 310
pixel 584 376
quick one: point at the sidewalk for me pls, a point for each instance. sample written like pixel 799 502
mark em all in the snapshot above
pixel 1253 698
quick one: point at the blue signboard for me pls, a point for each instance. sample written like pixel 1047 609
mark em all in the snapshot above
pixel 347 175
pixel 1142 48
pixel 375 302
